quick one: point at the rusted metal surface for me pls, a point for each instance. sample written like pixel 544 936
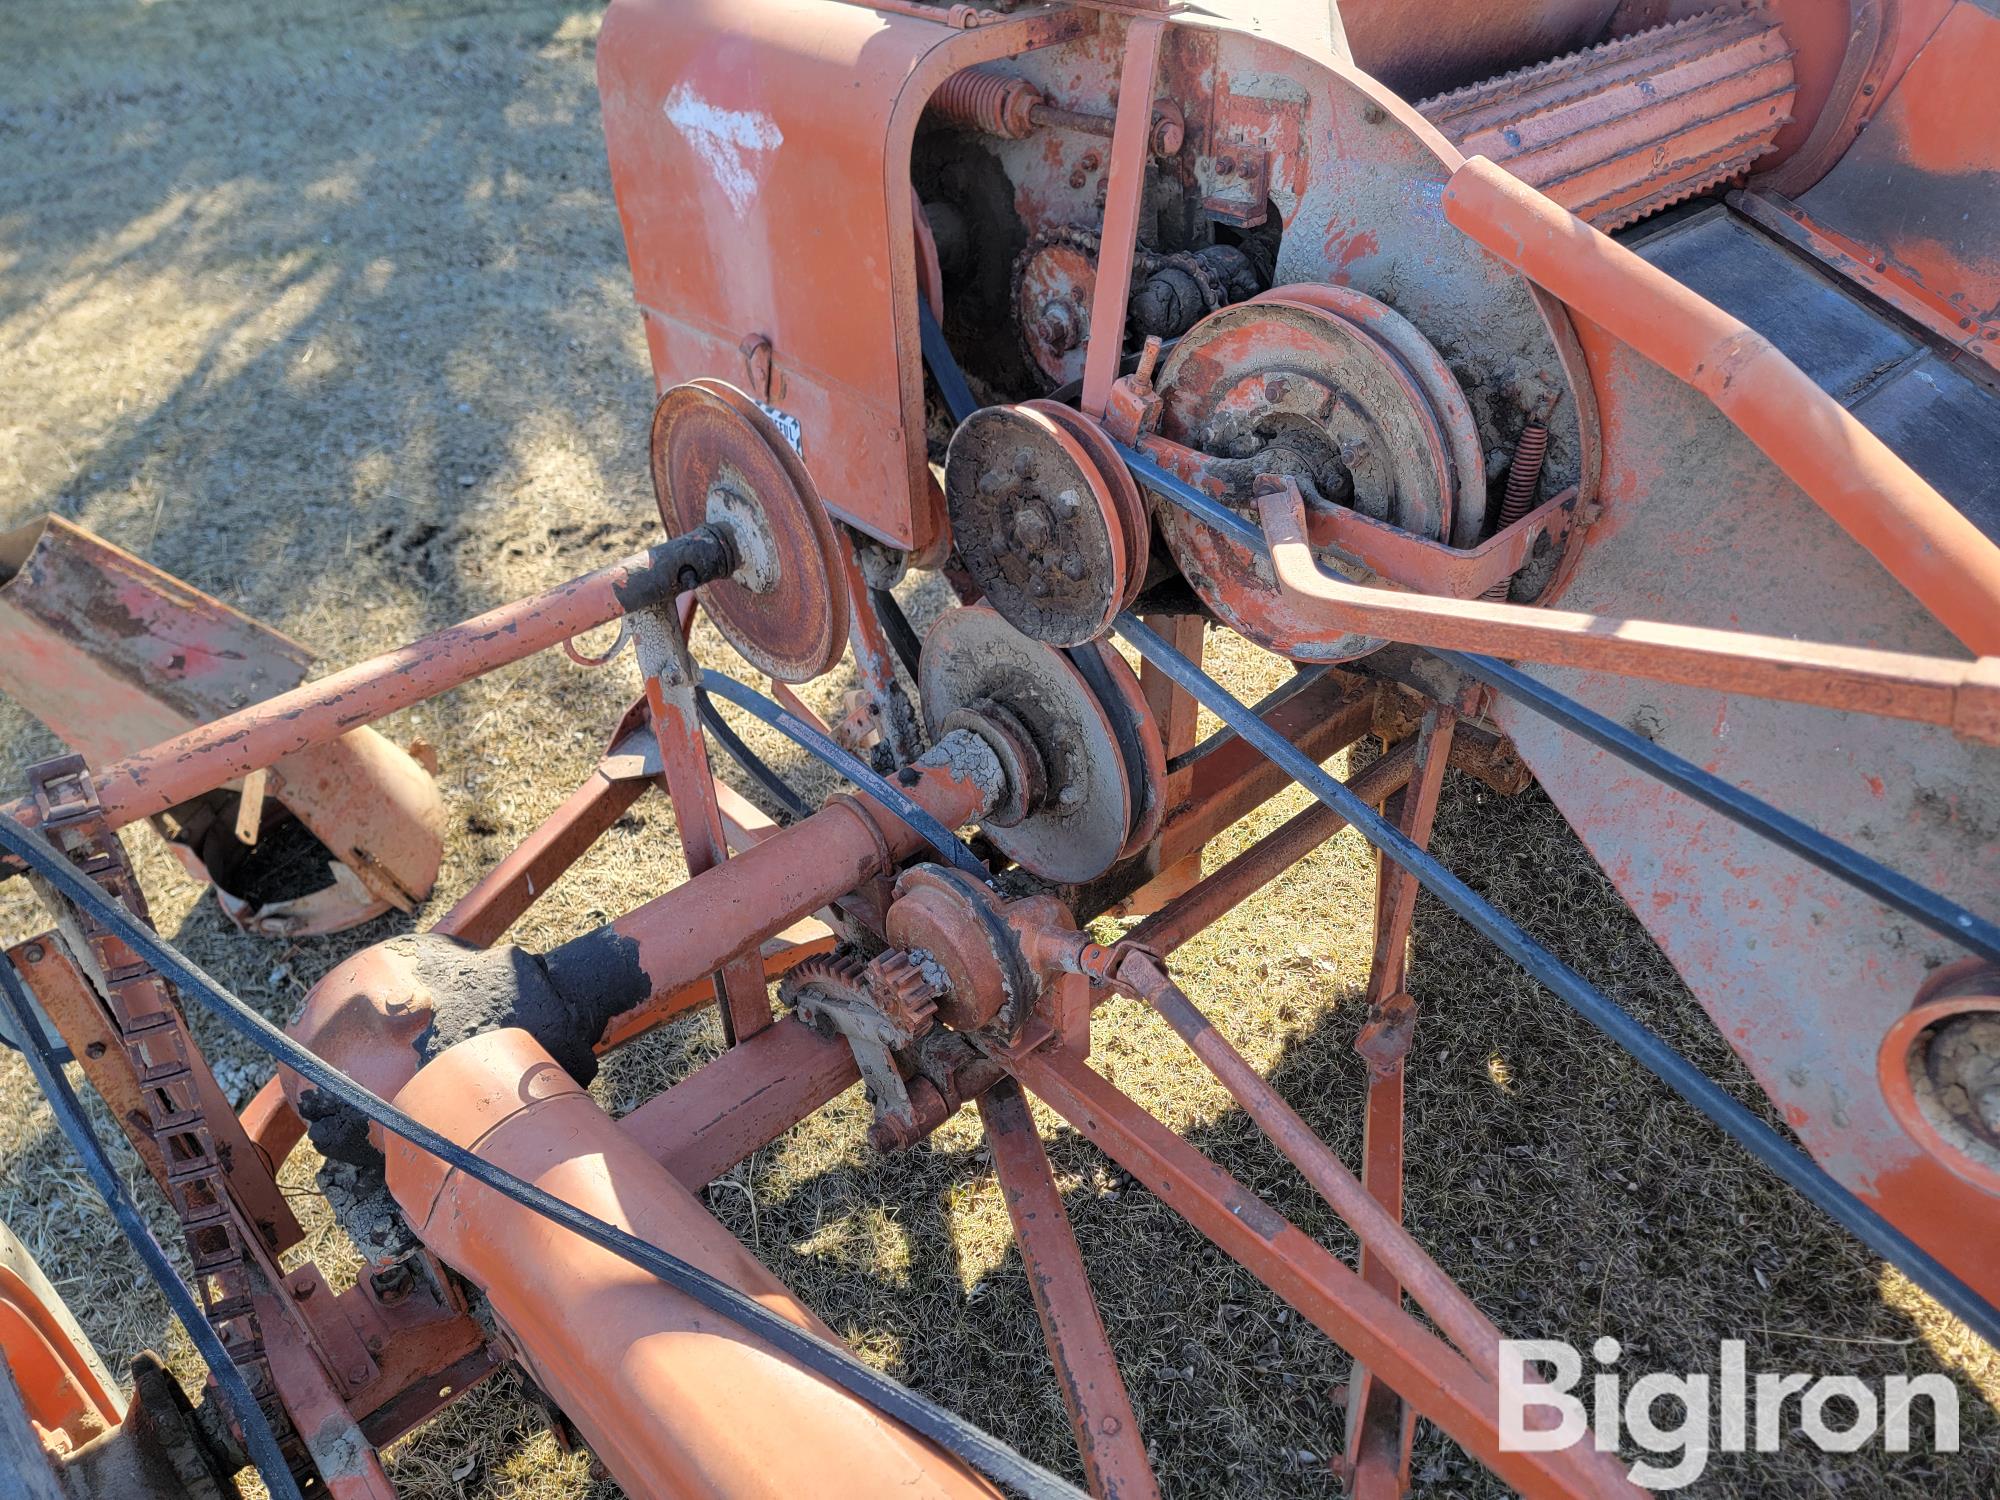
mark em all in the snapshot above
pixel 75 1006
pixel 1277 387
pixel 1038 524
pixel 719 460
pixel 1797 972
pixel 1463 40
pixel 1913 199
pixel 1125 187
pixel 1940 1070
pixel 729 1109
pixel 1847 56
pixel 1380 1425
pixel 1100 1413
pixel 115 655
pixel 62 1384
pixel 1264 861
pixel 671 679
pixel 499 898
pixel 152 780
pixel 1405 406
pixel 1961 696
pixel 973 656
pixel 1325 1292
pixel 1634 125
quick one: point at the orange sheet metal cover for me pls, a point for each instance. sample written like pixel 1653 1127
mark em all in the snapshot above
pixel 677 1401
pixel 760 154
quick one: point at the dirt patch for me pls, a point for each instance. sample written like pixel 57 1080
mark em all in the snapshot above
pixel 325 310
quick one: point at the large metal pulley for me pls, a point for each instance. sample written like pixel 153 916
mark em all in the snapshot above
pixel 1338 392
pixel 1084 760
pixel 718 459
pixel 1046 519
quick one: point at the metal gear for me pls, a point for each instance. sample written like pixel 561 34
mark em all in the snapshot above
pixel 902 991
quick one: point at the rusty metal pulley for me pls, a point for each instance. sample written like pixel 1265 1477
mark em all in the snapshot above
pixel 1036 707
pixel 1046 518
pixel 718 458
pixel 1335 391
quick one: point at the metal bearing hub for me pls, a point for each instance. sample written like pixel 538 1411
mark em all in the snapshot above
pixel 1282 386
pixel 1054 281
pixel 1038 524
pixel 718 458
pixel 1081 824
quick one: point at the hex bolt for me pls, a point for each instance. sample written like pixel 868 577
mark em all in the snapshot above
pixel 33 953
pixel 94 1050
pixel 1058 326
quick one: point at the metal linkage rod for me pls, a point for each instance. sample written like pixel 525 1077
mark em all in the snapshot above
pixel 261 735
pixel 1868 876
pixel 950 848
pixel 257 1434
pixel 1650 1050
pixel 948 1430
pixel 1963 696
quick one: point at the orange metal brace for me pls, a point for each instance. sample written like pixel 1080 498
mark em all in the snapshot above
pixel 1933 551
pixel 1380 1425
pixel 1125 187
pixel 1370 1326
pixel 1107 1431
pixel 671 676
pixel 1962 696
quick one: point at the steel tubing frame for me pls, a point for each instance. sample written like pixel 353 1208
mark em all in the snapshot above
pixel 1936 553
pixel 1961 696
pixel 1093 1390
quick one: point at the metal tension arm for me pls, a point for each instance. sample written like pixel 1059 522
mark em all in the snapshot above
pixel 1962 696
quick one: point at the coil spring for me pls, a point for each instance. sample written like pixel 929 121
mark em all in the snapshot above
pixel 1524 477
pixel 988 100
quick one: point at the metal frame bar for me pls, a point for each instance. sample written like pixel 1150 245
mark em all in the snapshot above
pixel 1093 1390
pixel 1647 1048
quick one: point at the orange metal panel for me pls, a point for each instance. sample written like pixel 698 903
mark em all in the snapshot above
pixel 750 138
pixel 1915 197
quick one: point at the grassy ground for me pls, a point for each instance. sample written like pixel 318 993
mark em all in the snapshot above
pixel 325 310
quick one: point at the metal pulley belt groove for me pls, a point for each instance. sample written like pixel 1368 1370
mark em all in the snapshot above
pixel 950 848
pixel 83 1140
pixel 1650 1050
pixel 953 1433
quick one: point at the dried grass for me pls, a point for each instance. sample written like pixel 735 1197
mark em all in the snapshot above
pixel 327 312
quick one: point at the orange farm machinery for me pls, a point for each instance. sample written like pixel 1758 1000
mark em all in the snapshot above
pixel 1602 391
